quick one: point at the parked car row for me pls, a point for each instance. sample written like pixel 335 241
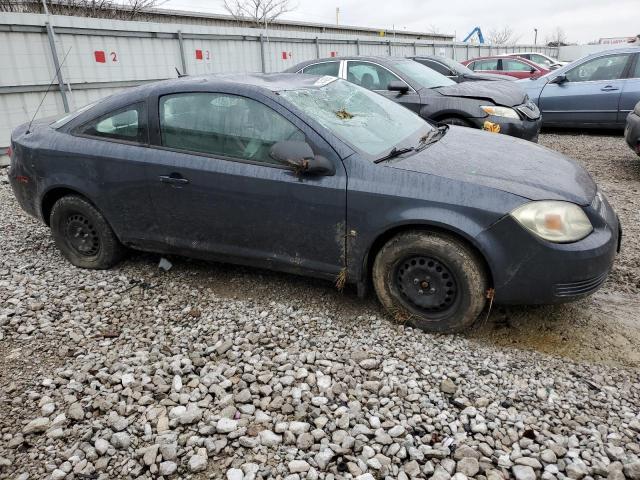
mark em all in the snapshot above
pixel 323 176
pixel 510 66
pixel 501 106
pixel 597 91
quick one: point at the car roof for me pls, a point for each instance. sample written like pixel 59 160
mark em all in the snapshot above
pixel 608 51
pixel 273 82
pixel 500 57
pixel 515 54
pixel 383 59
pixel 431 57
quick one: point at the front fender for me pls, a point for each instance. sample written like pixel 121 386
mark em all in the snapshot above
pixel 362 247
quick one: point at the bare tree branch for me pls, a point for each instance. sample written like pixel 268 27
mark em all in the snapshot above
pixel 504 36
pixel 113 9
pixel 258 13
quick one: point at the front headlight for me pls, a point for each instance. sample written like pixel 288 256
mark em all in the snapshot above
pixel 555 221
pixel 500 111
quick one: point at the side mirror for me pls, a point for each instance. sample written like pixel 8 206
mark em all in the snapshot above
pixel 560 79
pixel 398 86
pixel 299 157
pixel 533 70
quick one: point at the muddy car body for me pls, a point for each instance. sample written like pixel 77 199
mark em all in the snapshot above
pixel 317 176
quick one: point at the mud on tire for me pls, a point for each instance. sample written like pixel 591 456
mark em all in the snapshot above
pixel 432 281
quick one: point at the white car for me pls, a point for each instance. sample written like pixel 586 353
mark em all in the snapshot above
pixel 539 58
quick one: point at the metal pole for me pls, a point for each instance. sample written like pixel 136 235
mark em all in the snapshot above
pixel 182 57
pixel 467 52
pixel 389 43
pixel 56 65
pixel 415 48
pixel 317 47
pixel 453 50
pixel 357 46
pixel 262 61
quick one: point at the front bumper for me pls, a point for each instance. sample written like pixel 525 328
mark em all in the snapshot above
pixel 527 270
pixel 526 129
pixel 632 132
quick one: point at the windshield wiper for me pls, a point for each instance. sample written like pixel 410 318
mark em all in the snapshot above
pixel 432 137
pixel 395 152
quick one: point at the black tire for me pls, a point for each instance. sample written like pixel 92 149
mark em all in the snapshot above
pixel 431 281
pixel 455 121
pixel 83 235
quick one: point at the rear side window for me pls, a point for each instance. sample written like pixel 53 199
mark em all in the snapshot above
pixel 225 125
pixel 324 68
pixel 490 64
pixel 128 124
pixel 438 67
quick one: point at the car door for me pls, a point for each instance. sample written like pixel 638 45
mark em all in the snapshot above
pixel 589 96
pixel 112 150
pixel 219 194
pixel 517 68
pixel 630 91
pixel 373 76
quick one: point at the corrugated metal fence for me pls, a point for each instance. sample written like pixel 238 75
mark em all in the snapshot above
pixel 100 57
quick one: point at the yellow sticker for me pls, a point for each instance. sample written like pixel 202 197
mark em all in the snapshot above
pixel 491 127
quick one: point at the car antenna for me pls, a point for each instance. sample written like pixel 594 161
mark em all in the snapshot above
pixel 47 91
pixel 180 75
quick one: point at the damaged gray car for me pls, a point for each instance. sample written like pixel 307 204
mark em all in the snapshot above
pixel 318 176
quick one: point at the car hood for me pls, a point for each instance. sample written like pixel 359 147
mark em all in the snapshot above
pixel 506 93
pixel 505 163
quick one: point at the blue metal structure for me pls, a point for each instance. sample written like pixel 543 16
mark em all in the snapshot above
pixel 473 32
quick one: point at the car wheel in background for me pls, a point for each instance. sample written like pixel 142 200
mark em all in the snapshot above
pixel 455 121
pixel 83 235
pixel 430 280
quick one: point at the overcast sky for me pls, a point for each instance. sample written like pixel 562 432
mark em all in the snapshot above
pixel 581 20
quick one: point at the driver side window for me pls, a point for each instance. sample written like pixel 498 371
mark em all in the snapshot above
pixel 509 65
pixel 225 125
pixel 369 75
pixel 610 67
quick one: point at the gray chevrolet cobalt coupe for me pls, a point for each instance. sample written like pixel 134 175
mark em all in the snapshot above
pixel 318 176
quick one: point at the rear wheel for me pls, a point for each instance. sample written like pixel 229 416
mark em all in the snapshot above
pixel 83 235
pixel 430 280
pixel 455 121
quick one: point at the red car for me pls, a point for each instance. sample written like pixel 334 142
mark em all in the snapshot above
pixel 512 66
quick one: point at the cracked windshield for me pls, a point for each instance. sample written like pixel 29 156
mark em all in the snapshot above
pixel 363 119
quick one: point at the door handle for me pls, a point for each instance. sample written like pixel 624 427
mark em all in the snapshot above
pixel 609 88
pixel 174 179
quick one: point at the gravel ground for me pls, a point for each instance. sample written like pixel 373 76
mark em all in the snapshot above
pixel 215 371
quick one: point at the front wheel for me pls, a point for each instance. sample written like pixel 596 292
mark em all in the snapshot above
pixel 455 121
pixel 83 235
pixel 430 280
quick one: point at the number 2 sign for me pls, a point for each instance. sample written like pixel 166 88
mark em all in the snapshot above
pixel 100 56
